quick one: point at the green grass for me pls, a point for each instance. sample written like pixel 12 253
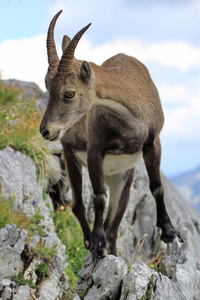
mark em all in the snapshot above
pixel 19 127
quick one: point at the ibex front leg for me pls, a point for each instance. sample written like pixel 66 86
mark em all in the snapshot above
pixel 78 207
pixel 95 167
pixel 151 154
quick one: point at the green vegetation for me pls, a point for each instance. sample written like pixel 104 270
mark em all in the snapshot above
pixel 150 287
pixel 18 218
pixel 19 124
pixel 43 252
pixel 21 281
pixel 42 270
pixel 70 234
pixel 8 216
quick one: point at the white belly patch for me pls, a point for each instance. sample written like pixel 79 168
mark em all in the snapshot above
pixel 114 163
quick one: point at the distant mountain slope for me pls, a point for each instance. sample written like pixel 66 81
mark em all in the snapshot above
pixel 188 184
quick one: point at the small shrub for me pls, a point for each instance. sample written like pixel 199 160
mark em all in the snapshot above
pixel 42 270
pixel 21 281
pixel 44 252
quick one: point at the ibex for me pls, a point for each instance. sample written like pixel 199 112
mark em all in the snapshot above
pixel 107 118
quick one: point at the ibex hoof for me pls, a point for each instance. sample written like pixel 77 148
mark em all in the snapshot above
pixel 169 235
pixel 98 255
pixel 98 248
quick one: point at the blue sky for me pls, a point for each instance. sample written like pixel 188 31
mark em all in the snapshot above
pixel 163 34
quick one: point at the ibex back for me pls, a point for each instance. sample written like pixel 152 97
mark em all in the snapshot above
pixel 107 118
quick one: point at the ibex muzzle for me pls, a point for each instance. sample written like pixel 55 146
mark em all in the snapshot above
pixel 107 118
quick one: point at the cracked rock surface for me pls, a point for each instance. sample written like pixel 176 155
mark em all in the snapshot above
pixel 109 279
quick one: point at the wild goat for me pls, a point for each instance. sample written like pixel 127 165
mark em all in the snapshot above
pixel 107 118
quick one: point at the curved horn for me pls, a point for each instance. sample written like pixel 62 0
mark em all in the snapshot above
pixel 53 58
pixel 68 55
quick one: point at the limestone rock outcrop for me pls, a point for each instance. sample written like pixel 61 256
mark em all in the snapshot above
pixel 109 279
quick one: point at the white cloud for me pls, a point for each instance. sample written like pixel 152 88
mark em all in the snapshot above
pixel 182 123
pixel 172 95
pixel 176 54
pixel 24 59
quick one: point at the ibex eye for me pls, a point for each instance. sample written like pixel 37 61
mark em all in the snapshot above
pixel 69 94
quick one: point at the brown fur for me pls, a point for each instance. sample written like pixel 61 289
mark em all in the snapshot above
pixel 115 110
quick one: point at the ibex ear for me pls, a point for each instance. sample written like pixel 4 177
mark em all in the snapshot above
pixel 85 71
pixel 65 42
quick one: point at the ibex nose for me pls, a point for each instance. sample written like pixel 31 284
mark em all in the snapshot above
pixel 45 134
pixel 43 130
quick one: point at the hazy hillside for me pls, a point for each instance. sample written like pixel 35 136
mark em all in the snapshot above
pixel 188 184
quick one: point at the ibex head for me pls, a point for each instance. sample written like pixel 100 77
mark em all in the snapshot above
pixel 70 85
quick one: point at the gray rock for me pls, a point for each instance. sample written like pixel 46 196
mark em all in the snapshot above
pixel 3 237
pixel 109 279
pixel 6 282
pixel 18 178
pixel 6 294
pixel 136 281
pixel 54 285
pixel 13 234
pixel 19 245
pixel 183 282
pixel 10 251
pixel 10 262
pixel 32 90
pixel 23 293
pixel 76 297
pixel 102 281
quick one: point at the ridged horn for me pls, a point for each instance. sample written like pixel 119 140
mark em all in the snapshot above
pixel 53 58
pixel 68 55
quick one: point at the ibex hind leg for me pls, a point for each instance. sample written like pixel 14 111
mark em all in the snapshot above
pixel 152 154
pixel 119 186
